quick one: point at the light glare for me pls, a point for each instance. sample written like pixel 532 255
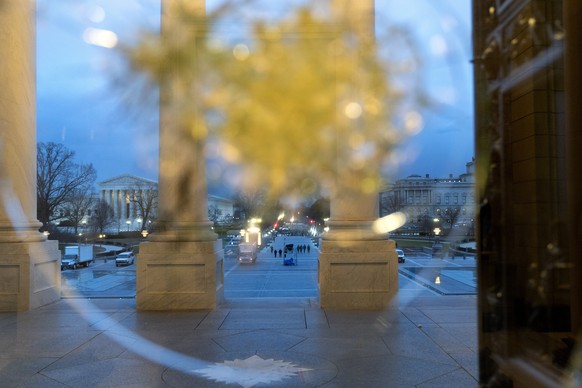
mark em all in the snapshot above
pixel 389 223
pixel 99 37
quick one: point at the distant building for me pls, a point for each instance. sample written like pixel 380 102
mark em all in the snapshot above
pixel 220 210
pixel 128 194
pixel 429 203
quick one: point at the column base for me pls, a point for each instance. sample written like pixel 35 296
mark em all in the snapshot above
pixel 30 274
pixel 352 231
pixel 183 231
pixel 179 275
pixel 357 275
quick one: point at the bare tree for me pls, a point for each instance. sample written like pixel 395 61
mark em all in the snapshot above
pixel 319 210
pixel 449 218
pixel 58 176
pixel 76 207
pixel 389 203
pixel 214 214
pixel 102 216
pixel 249 202
pixel 145 199
pixel 228 219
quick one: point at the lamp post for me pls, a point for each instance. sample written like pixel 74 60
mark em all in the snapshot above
pixel 436 229
pixel 128 222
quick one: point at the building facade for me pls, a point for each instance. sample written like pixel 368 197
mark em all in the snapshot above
pixel 134 202
pixel 429 203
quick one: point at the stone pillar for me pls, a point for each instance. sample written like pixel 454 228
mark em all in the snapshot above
pixel 110 201
pixel 119 204
pixel 114 204
pixel 29 264
pixel 124 211
pixel 181 267
pixel 358 269
pixel 131 196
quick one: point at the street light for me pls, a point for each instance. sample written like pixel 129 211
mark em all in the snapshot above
pixel 128 222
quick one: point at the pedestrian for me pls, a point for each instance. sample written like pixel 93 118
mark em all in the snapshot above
pixel 308 248
pixel 280 253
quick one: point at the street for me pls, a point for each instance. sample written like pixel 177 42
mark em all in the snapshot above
pixel 269 278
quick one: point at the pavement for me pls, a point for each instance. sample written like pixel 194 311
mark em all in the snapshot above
pixel 425 338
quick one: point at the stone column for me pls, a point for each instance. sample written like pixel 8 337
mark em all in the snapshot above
pixel 125 210
pixel 29 264
pixel 119 204
pixel 110 200
pixel 181 267
pixel 358 268
pixel 114 204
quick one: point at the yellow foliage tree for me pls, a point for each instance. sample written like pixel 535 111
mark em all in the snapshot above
pixel 295 103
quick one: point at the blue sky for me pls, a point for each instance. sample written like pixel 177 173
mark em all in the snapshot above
pixel 76 105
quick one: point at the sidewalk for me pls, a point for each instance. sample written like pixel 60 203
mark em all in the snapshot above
pixel 421 341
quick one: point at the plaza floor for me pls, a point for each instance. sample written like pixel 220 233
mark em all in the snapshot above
pixel 423 339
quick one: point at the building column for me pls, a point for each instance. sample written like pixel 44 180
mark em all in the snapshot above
pixel 130 195
pixel 124 209
pixel 110 201
pixel 114 204
pixel 358 268
pixel 181 266
pixel 29 264
pixel 119 204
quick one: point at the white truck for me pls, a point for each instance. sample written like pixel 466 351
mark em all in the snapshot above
pixel 247 252
pixel 77 256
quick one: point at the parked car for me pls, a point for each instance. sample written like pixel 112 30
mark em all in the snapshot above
pixel 124 258
pixel 400 253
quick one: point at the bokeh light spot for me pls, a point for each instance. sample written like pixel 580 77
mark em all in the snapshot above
pixel 353 110
pixel 241 52
pixel 413 122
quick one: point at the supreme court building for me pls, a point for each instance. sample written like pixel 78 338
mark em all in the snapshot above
pixel 124 194
pixel 127 195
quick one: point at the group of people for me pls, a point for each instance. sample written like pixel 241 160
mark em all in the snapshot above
pixel 304 248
